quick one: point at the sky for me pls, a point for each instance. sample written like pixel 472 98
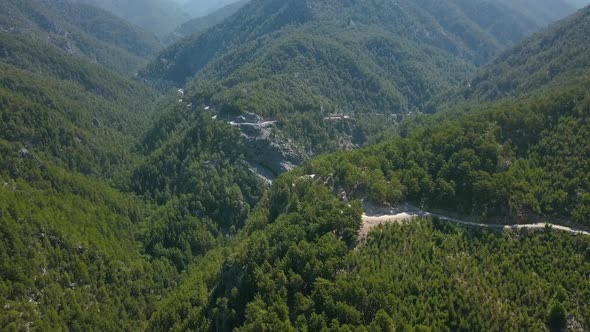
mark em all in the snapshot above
pixel 579 3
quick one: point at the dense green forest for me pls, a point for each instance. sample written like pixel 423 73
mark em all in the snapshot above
pixel 69 259
pixel 295 268
pixel 79 29
pixel 550 57
pixel 518 159
pixel 204 166
pixel 452 25
pixel 77 114
pixel 126 205
pixel 288 60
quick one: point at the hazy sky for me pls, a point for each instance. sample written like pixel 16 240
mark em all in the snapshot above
pixel 579 3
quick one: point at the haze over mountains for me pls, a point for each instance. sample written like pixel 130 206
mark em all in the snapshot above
pixel 203 7
pixel 202 23
pixel 159 17
pixel 222 183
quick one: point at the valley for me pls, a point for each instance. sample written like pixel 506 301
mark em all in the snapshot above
pixel 294 165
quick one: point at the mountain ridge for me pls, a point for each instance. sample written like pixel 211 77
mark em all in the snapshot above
pixel 80 29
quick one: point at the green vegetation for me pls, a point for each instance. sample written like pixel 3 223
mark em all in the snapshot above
pixel 78 29
pixel 294 60
pixel 295 268
pixel 80 115
pixel 520 160
pixel 454 26
pixel 126 208
pixel 202 164
pixel 549 58
pixel 68 255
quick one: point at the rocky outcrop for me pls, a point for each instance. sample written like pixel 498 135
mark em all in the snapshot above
pixel 270 153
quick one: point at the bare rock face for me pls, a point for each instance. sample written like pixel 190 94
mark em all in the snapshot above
pixel 24 153
pixel 265 148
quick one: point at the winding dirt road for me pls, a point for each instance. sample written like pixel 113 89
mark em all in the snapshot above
pixel 407 214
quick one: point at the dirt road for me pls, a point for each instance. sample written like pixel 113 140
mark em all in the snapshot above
pixel 407 213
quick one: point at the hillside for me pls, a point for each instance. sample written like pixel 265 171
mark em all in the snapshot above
pixel 129 208
pixel 548 58
pixel 76 253
pixel 79 29
pixel 69 257
pixel 60 107
pixel 297 62
pixel 459 31
pixel 160 17
pixel 200 24
pixel 296 266
pixel 512 161
pixel 68 248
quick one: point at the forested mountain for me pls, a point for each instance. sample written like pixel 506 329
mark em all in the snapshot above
pixel 551 57
pixel 55 104
pixel 75 253
pixel 202 23
pixel 68 254
pixel 456 26
pixel 296 264
pixel 68 250
pixel 287 60
pixel 512 160
pixel 129 208
pixel 79 29
pixel 295 267
pixel 159 17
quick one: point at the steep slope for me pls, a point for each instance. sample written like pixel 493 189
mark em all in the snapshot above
pixel 296 62
pixel 79 29
pixel 296 267
pixel 520 160
pixel 159 17
pixel 201 24
pixel 454 26
pixel 59 107
pixel 75 253
pixel 68 251
pixel 68 242
pixel 551 57
pixel 199 161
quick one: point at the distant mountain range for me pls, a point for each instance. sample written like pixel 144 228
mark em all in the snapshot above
pixel 202 23
pixel 159 17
